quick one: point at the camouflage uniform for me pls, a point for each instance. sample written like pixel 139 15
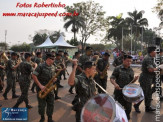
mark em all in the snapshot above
pixel 101 65
pixel 85 89
pixel 123 77
pixel 24 82
pixel 44 73
pixel 118 61
pixel 56 63
pixel 2 73
pixel 76 73
pixel 81 63
pixel 11 77
pixel 146 78
pixel 38 61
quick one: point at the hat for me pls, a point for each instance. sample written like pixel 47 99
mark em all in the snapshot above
pixel 106 54
pixel 88 64
pixel 127 56
pixel 89 48
pixel 49 55
pixel 13 54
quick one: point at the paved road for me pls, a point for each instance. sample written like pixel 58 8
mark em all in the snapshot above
pixel 63 111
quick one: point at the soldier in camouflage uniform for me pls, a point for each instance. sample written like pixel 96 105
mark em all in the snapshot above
pixel 84 58
pixel 62 62
pixel 37 60
pixel 2 72
pixel 22 56
pixel 147 76
pixel 85 86
pixel 24 80
pixel 57 63
pixel 42 75
pixel 118 61
pixel 102 64
pixel 77 56
pixel 11 76
pixel 121 76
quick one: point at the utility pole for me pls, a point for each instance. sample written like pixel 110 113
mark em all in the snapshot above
pixel 131 39
pixel 142 41
pixel 122 38
pixel 5 39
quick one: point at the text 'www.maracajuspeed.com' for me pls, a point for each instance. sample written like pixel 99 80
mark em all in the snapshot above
pixel 38 14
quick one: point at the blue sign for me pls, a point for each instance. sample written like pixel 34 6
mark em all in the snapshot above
pixel 14 114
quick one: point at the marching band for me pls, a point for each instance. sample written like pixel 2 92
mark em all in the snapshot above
pixel 89 78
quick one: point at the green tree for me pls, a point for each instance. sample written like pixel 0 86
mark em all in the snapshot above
pixel 148 37
pixel 20 48
pixel 98 47
pixel 137 22
pixel 75 21
pixel 117 25
pixel 55 35
pixel 3 45
pixel 93 16
pixel 73 42
pixel 40 36
pixel 159 10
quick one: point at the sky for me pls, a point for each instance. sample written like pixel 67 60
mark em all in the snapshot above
pixel 20 28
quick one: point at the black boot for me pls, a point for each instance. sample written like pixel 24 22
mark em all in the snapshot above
pixel 149 109
pixel 42 119
pixel 29 106
pixel 137 108
pixel 33 90
pixel 70 90
pixel 50 119
pixel 56 97
pixel 5 96
pixel 16 105
pixel 15 96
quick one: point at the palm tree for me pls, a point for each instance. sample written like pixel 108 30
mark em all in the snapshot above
pixel 137 22
pixel 76 22
pixel 115 31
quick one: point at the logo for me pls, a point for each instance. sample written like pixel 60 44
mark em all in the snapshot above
pixel 131 91
pixel 14 114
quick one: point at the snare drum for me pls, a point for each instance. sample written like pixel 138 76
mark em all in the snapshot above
pixel 103 108
pixel 132 93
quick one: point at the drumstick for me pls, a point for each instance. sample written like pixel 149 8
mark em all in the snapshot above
pixel 101 87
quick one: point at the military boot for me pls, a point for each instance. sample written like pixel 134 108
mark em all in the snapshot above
pixel 5 96
pixel 149 109
pixel 42 119
pixel 50 119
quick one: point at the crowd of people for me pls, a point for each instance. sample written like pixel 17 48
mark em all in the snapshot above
pixel 87 68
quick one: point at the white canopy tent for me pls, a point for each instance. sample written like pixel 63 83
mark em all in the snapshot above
pixel 47 43
pixel 61 43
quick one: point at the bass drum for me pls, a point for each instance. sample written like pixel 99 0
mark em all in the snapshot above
pixel 103 108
